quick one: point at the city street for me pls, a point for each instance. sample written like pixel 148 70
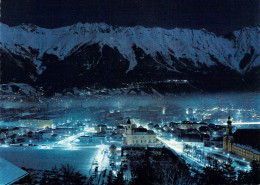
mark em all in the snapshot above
pixel 200 160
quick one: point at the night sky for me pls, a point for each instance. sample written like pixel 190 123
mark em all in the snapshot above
pixel 218 16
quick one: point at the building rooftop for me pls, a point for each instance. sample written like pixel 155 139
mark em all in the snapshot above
pixel 247 137
pixel 101 126
pixel 142 131
pixel 120 127
pixel 247 148
pixel 112 146
pixel 84 136
pixel 9 173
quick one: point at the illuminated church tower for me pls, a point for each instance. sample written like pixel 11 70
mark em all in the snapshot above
pixel 139 136
pixel 129 127
pixel 228 138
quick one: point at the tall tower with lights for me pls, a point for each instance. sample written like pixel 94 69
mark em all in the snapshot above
pixel 129 127
pixel 228 138
pixel 229 126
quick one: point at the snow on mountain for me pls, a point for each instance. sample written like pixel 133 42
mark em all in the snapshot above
pixel 18 88
pixel 247 41
pixel 33 42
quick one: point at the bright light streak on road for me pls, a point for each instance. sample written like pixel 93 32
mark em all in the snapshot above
pixel 178 147
pixel 245 123
pixel 196 161
pixel 172 144
pixel 100 155
pixel 70 139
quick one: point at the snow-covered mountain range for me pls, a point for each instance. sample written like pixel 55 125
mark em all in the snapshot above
pixel 84 54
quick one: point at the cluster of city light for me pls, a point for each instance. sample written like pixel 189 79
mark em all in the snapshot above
pixel 245 123
pixel 45 147
pixel 178 147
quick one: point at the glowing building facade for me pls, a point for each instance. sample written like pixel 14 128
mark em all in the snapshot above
pixel 139 136
pixel 231 145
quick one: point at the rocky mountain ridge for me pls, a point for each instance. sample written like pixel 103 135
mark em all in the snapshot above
pixel 84 55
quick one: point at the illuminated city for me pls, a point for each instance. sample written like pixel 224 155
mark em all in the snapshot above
pixel 54 134
pixel 129 92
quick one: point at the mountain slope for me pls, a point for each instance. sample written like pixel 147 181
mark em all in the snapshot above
pixel 86 54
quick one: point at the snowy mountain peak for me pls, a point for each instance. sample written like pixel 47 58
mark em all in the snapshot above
pixel 199 46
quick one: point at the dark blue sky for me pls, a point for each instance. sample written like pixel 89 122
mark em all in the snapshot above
pixel 218 16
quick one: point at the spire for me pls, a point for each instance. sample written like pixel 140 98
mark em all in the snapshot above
pixel 129 128
pixel 229 126
pixel 229 120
